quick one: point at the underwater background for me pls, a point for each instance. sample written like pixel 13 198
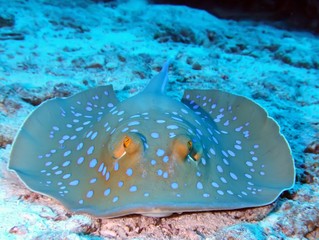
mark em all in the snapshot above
pixel 58 48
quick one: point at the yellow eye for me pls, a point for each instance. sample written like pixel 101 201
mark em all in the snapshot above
pixel 127 141
pixel 194 150
pixel 195 156
pixel 122 145
pixel 183 147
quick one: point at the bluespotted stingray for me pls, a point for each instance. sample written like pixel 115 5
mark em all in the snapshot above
pixel 151 154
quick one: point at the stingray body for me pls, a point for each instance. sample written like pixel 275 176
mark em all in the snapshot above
pixel 151 154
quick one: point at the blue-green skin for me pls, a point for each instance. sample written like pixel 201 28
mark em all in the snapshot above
pixel 216 172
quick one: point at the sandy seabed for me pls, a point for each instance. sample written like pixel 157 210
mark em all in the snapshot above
pixel 52 49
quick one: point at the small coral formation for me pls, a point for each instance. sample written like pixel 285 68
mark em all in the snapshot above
pixel 312 148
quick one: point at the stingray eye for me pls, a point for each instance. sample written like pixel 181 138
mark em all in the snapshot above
pixel 133 144
pixel 127 144
pixel 194 150
pixel 127 141
pixel 194 155
pixel 118 151
pixel 184 148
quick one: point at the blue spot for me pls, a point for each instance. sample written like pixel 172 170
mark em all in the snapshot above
pixel 226 161
pixel 233 176
pixel 74 183
pixel 80 160
pixel 224 153
pixel 55 128
pixel 248 176
pixel 199 132
pixel 160 152
pixel 220 192
pixel 129 172
pixel 116 166
pixel 238 147
pixel 115 199
pixel 79 129
pixel 133 188
pixel 65 137
pixel 80 146
pixel 93 180
pixel 184 111
pixel 120 183
pixel 212 151
pixel 107 176
pixel 94 135
pixel 101 167
pixel 93 163
pixel 174 185
pixel 113 131
pixel 230 192
pixel 172 127
pixel 199 185
pixel 203 161
pixel 153 162
pixel 86 123
pixel 89 194
pixel 177 119
pixel 219 169
pixel 172 135
pixel 238 129
pixel 66 176
pixel 67 153
pixel 90 150
pixel 134 123
pixel 154 135
pixel 135 116
pixel 165 175
pixel 107 192
pixel 125 129
pixel 165 159
pixel 160 121
pixel 214 184
pixel 223 180
pixel 231 153
pixel 48 164
pixel 159 172
pixel 205 195
pixel 66 163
